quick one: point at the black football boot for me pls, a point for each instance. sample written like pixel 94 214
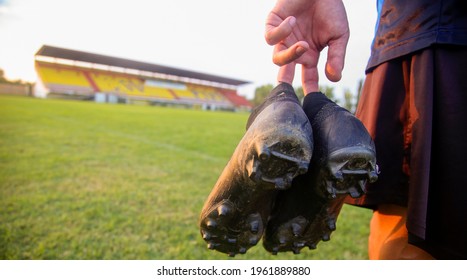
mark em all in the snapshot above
pixel 344 160
pixel 276 148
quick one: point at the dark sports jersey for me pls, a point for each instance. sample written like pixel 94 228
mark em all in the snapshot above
pixel 405 26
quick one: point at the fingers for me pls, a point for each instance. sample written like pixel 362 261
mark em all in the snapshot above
pixel 278 29
pixel 290 49
pixel 308 60
pixel 283 55
pixel 335 59
pixel 310 78
pixel 286 73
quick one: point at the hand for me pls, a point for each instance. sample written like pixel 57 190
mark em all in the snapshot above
pixel 300 30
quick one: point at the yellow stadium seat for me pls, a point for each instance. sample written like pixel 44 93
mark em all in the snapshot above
pixel 56 75
pixel 183 93
pixel 158 92
pixel 118 84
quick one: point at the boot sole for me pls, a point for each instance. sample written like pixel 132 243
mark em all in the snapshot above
pixel 345 174
pixel 348 170
pixel 216 227
pixel 267 159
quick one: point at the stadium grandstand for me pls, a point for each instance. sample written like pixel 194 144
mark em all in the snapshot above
pixel 66 73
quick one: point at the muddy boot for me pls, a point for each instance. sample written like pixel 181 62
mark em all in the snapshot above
pixel 276 148
pixel 344 160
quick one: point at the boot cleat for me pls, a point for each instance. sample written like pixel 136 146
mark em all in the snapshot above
pixel 275 149
pixel 317 227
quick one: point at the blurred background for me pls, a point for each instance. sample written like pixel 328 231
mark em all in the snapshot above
pixel 117 117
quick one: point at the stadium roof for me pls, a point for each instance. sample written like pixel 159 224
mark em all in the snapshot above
pixel 61 53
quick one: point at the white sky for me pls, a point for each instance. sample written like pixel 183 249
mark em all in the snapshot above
pixel 219 37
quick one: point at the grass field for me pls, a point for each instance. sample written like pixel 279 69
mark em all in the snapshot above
pixel 81 180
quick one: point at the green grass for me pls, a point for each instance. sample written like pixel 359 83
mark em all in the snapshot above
pixel 81 180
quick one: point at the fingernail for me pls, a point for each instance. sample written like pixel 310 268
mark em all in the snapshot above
pixel 300 50
pixel 292 21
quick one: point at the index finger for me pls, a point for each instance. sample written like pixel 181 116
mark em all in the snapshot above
pixel 277 29
pixel 283 55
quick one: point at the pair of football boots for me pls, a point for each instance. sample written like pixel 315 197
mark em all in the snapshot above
pixel 289 175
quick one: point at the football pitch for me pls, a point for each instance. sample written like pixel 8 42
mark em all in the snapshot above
pixel 81 180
